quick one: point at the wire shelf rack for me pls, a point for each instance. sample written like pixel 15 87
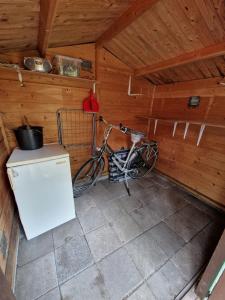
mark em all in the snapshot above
pixel 77 133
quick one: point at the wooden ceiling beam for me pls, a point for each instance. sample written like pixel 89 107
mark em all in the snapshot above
pixel 130 15
pixel 190 57
pixel 47 15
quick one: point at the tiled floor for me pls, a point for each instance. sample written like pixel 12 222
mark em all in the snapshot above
pixel 147 246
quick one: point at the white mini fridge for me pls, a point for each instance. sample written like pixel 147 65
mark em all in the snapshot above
pixel 41 182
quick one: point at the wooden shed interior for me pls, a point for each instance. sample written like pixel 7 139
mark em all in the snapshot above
pixel 148 57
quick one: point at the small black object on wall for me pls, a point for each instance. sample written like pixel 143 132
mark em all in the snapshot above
pixel 194 101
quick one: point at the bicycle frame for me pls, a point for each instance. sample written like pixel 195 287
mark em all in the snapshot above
pixel 105 148
pixel 129 166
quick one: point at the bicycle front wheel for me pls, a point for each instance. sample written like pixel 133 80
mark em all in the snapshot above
pixel 143 160
pixel 87 175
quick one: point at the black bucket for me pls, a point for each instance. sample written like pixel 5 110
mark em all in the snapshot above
pixel 29 138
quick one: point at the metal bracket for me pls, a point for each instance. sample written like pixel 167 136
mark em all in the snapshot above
pixel 186 129
pixel 201 133
pixel 155 126
pixel 94 87
pixel 20 77
pixel 174 128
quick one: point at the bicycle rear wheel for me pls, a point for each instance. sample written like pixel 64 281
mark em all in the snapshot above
pixel 143 160
pixel 87 175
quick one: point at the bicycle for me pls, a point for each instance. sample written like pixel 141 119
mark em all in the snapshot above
pixel 139 162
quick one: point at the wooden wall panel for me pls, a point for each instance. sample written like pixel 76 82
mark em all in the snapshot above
pixel 8 223
pixel 42 95
pixel 200 168
pixel 115 104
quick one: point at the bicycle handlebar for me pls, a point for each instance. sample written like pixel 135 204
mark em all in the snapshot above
pixel 120 127
pixel 101 119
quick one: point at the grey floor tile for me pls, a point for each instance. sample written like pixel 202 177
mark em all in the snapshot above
pixel 66 232
pixel 129 203
pixel 187 222
pixel 113 210
pixel 146 182
pixel 191 295
pixel 167 282
pixel 52 295
pixel 72 258
pixel 188 260
pixel 83 204
pixel 126 228
pixel 214 214
pixel 167 239
pixel 146 254
pixel 207 239
pixel 142 293
pixel 167 202
pixel 92 219
pixel 36 278
pixel 161 181
pixel 100 195
pixel 150 194
pixel 174 198
pixel 87 285
pixel 102 241
pixel 34 248
pixel 119 274
pixel 145 217
pixel 115 189
pixel 134 186
pixel 161 203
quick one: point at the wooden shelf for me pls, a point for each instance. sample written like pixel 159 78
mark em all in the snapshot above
pixel 181 121
pixel 175 122
pixel 45 78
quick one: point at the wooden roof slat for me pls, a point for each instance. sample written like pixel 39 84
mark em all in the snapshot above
pixel 47 15
pixel 132 13
pixel 200 54
pixel 209 14
pixel 197 21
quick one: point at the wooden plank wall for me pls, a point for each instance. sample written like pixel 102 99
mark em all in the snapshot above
pixel 8 222
pixel 41 96
pixel 200 168
pixel 39 99
pixel 115 104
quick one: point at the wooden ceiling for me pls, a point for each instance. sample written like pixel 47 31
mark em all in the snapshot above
pixel 163 40
pixel 19 22
pixel 83 21
pixel 168 29
pixel 201 69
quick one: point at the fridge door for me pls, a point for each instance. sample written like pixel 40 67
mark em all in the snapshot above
pixel 43 193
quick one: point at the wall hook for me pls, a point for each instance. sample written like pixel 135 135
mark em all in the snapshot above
pixel 186 129
pixel 174 128
pixel 20 77
pixel 155 126
pixel 201 133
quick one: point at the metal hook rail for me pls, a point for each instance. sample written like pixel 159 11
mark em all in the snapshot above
pixel 187 123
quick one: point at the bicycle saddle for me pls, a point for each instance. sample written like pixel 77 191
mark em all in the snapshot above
pixel 136 136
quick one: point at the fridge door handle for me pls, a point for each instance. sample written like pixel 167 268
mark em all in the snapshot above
pixel 11 175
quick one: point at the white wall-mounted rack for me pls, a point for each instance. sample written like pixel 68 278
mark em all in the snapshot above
pixel 187 123
pixel 129 89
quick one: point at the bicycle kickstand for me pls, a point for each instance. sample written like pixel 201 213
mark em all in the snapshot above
pixel 127 186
